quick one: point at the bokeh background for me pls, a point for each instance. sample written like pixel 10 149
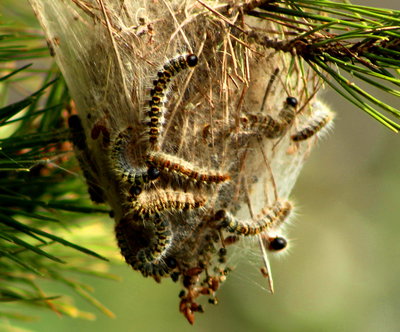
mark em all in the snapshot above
pixel 342 271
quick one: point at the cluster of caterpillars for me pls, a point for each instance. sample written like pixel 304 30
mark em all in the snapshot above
pixel 145 234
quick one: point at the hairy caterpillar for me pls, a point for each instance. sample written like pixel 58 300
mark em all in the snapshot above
pixel 320 121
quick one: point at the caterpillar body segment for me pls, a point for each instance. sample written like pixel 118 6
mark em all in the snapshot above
pixel 121 164
pixel 150 259
pixel 320 121
pixel 270 127
pixel 183 170
pixel 147 205
pixel 162 236
pixel 271 217
pixel 155 115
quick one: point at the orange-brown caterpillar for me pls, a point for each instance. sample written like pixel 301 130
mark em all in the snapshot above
pixel 150 203
pixel 271 218
pixel 184 170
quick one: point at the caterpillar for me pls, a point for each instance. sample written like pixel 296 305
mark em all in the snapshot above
pixel 320 120
pixel 121 163
pixel 268 126
pixel 184 170
pixel 155 114
pixel 271 218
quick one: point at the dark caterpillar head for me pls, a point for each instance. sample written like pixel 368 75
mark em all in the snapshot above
pixel 292 101
pixel 277 244
pixel 192 60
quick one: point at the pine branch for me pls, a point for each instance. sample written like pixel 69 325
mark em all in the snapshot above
pixel 341 42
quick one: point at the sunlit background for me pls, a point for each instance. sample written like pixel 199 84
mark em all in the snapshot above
pixel 342 271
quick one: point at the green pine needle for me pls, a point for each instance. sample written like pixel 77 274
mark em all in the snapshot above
pixel 32 204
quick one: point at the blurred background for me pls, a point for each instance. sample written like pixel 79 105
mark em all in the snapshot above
pixel 342 270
